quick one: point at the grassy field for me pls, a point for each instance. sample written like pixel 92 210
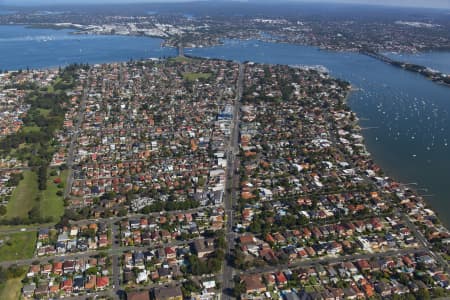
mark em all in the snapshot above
pixel 23 197
pixel 30 129
pixel 180 59
pixel 17 246
pixel 52 205
pixel 195 76
pixel 44 112
pixel 13 152
pixel 10 290
pixel 30 227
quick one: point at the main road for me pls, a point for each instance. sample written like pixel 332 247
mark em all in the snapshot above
pixel 232 182
pixel 115 259
pixel 71 152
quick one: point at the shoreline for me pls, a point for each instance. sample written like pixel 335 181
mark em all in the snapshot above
pixel 386 172
pixel 79 31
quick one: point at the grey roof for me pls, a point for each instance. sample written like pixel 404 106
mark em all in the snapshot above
pixel 167 292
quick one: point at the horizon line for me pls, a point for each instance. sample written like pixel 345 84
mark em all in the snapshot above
pixel 48 3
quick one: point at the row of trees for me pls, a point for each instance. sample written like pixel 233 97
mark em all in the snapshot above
pixel 14 179
pixel 212 264
pixel 11 272
pixel 34 216
pixel 42 177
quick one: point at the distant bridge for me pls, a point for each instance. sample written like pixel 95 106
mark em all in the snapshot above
pixel 180 50
pixel 422 70
pixel 378 56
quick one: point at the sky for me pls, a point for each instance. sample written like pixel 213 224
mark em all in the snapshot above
pixel 412 3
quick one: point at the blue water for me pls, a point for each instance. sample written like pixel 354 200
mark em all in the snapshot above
pixel 436 60
pixel 5 12
pixel 408 116
pixel 37 48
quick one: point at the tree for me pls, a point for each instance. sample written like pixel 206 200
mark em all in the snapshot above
pixel 34 214
pixel 423 294
pixel 255 226
pixel 92 271
pixel 15 179
pixel 410 297
pixel 404 278
pixel 239 259
pixel 239 289
pixel 42 177
pixel 122 212
pixel 190 287
pixel 15 271
pixel 438 292
pixel 221 242
pixel 3 210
